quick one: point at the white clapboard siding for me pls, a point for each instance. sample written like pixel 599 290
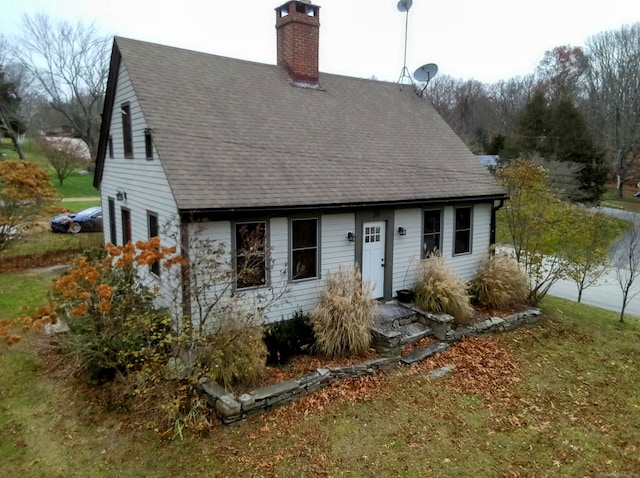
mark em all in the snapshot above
pixel 143 181
pixel 406 249
pixel 335 251
pixel 465 265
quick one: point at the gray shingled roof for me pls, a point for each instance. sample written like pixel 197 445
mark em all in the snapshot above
pixel 237 134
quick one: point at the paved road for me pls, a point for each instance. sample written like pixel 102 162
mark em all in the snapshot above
pixel 607 293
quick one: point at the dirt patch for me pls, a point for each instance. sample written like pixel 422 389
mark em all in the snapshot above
pixel 37 261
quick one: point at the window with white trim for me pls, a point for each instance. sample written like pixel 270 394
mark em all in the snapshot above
pixel 251 254
pixel 462 236
pixel 432 232
pixel 304 248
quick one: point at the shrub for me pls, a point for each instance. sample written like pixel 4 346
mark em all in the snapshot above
pixel 499 282
pixel 234 354
pixel 343 317
pixel 288 337
pixel 439 290
pixel 114 326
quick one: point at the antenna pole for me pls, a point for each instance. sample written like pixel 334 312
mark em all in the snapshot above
pixel 406 33
pixel 405 6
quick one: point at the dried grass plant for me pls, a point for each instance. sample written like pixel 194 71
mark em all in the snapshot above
pixel 343 317
pixel 440 290
pixel 500 283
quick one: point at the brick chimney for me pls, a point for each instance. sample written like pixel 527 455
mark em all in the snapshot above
pixel 298 31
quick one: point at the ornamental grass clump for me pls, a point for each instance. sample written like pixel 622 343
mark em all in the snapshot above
pixel 343 318
pixel 440 290
pixel 500 283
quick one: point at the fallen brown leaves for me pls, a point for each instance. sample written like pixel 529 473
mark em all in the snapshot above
pixel 483 366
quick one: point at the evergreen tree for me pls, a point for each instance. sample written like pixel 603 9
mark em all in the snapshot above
pixel 558 132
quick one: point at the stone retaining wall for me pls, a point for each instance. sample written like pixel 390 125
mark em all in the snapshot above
pixel 494 325
pixel 231 409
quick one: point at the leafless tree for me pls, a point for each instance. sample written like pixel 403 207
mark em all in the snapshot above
pixel 68 64
pixel 64 154
pixel 466 107
pixel 509 97
pixel 613 79
pixel 561 72
pixel 626 259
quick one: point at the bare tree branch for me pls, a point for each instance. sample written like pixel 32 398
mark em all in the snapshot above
pixel 68 65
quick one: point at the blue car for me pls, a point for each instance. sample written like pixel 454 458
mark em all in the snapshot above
pixel 87 220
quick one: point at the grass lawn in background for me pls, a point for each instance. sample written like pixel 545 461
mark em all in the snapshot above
pixel 76 186
pixel 628 201
pixel 573 409
pixel 75 206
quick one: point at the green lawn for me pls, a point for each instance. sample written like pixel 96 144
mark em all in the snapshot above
pixel 74 186
pixel 574 412
pixel 628 201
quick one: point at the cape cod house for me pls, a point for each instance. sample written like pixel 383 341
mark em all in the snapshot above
pixel 331 170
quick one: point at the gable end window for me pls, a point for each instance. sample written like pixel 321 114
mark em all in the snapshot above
pixel 110 145
pixel 152 225
pixel 462 240
pixel 148 144
pixel 304 249
pixel 127 139
pixel 432 232
pixel 251 254
pixel 112 222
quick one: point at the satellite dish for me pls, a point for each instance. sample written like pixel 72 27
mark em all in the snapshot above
pixel 404 5
pixel 426 72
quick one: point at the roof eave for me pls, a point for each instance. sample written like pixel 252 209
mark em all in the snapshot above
pixel 222 213
pixel 107 111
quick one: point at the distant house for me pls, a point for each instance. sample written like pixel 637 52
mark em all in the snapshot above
pixel 332 170
pixel 489 160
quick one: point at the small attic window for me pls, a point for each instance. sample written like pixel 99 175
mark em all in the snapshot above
pixel 110 145
pixel 148 144
pixel 127 139
pixel 284 11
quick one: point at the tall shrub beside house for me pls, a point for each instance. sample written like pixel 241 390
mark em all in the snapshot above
pixel 499 282
pixel 343 318
pixel 438 289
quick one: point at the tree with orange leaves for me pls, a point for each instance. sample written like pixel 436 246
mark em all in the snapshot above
pixel 24 191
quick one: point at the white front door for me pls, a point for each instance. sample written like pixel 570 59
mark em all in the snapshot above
pixel 373 256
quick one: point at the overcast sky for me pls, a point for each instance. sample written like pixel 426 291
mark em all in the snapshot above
pixel 487 40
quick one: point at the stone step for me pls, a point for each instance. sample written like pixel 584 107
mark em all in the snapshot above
pixel 411 333
pixel 391 339
pixel 421 353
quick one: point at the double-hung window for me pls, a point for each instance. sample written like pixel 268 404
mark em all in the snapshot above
pixel 432 232
pixel 462 240
pixel 251 254
pixel 304 249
